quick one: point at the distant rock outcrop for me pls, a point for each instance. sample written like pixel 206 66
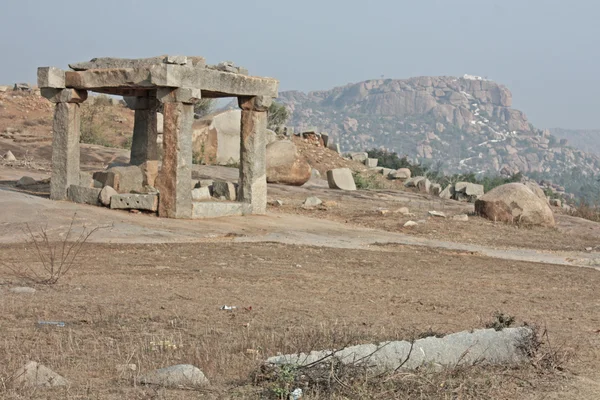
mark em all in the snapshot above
pixel 467 123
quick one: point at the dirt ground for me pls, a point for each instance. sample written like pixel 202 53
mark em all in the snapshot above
pixel 124 299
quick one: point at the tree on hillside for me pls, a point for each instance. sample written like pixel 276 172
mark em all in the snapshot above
pixel 278 115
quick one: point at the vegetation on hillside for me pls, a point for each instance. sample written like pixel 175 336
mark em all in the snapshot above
pixel 278 115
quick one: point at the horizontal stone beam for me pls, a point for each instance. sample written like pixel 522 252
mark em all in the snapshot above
pixel 173 76
pixel 64 95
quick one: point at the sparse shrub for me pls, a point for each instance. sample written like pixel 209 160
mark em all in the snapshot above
pixel 127 142
pixel 366 182
pixel 56 258
pixel 500 321
pixel 278 115
pixel 586 211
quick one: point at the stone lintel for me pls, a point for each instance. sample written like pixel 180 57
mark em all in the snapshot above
pixel 177 60
pixel 256 103
pixel 64 95
pixel 173 76
pixel 51 77
pixel 180 95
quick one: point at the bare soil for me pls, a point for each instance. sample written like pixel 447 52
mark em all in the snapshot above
pixel 123 300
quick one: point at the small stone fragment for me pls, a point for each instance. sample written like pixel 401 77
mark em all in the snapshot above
pixel 437 214
pixel 177 376
pixel 312 202
pixel 402 210
pixel 22 290
pixel 383 211
pixel 9 156
pixel 410 224
pixel 276 203
pixel 36 375
pixel 460 217
pixel 106 194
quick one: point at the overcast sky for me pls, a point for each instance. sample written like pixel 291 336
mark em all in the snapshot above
pixel 545 51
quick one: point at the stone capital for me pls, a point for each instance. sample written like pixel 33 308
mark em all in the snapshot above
pixel 51 77
pixel 179 95
pixel 255 103
pixel 64 95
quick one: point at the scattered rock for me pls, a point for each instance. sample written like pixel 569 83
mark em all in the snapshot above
pixel 383 211
pixel 201 193
pixel 410 223
pixel 413 182
pixel 9 156
pixel 105 195
pixel 124 179
pixel 276 203
pixel 37 375
pixel 447 193
pixel 467 191
pixel 515 203
pixel 84 195
pixel 402 210
pixel 437 214
pixel 315 174
pixel 134 201
pixel 285 166
pixel 341 178
pixel 402 173
pixel 424 185
pixel 22 290
pixel 435 189
pixel 461 218
pixel 26 181
pixel 371 162
pixel 225 189
pixel 177 376
pixel 386 172
pixel 312 201
pixel 359 156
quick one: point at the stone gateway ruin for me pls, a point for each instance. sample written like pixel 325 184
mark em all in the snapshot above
pixel 173 83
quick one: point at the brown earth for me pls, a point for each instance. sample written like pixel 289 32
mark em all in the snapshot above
pixel 124 299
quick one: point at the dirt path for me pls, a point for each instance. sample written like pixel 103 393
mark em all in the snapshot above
pixel 122 227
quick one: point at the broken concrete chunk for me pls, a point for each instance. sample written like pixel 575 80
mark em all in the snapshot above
pixel 341 178
pixel 132 201
pixel 84 195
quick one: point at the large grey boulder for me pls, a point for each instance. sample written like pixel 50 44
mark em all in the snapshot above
pixel 285 166
pixel 37 375
pixel 176 376
pixel 483 347
pixel 515 203
pixel 341 178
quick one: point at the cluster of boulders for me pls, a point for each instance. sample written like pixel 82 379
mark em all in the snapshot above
pixel 183 376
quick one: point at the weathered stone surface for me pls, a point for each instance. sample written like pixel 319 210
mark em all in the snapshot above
pixel 514 203
pixel 225 189
pixel 178 60
pixel 371 162
pixel 85 179
pixel 435 189
pixel 113 62
pixel 341 178
pixel 174 179
pixel 401 173
pixel 177 376
pixel 184 95
pixel 133 201
pixel 409 224
pixel 438 214
pixel 105 195
pixel 65 149
pixel 149 172
pixel 145 131
pixel 84 195
pixel 555 203
pixel 285 166
pixel 413 182
pixel 387 172
pixel 461 218
pixel 253 166
pixel 424 185
pixel 448 192
pixel 484 346
pixel 37 375
pixel 536 189
pixel 472 190
pixel 123 179
pixel 50 77
pixel 201 193
pixel 26 181
pixel 23 290
pixel 9 156
pixel 312 201
pixel 214 209
pixel 335 147
pixel 64 95
pixel 216 137
pixel 402 210
pixel 359 156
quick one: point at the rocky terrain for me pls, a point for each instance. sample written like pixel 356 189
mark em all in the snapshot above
pixel 584 139
pixel 466 124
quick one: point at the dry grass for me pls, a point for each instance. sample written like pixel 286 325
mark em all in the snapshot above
pixel 159 305
pixel 586 211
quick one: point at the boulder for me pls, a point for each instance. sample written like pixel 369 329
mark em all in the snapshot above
pixel 371 162
pixel 359 156
pixel 409 224
pixel 9 156
pixel 467 191
pixel 514 203
pixel 536 189
pixel 413 182
pixel 37 375
pixel 401 173
pixel 105 195
pixel 177 376
pixel 216 138
pixel 436 189
pixel 341 178
pixel 312 201
pixel 424 185
pixel 387 172
pixel 225 189
pixel 285 166
pixel 447 193
pixel 26 181
pixel 460 217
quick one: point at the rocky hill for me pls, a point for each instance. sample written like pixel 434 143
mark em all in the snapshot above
pixel 465 123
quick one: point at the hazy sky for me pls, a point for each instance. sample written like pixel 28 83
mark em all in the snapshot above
pixel 545 51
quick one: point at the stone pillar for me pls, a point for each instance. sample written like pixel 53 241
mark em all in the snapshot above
pixel 253 166
pixel 174 181
pixel 144 149
pixel 65 139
